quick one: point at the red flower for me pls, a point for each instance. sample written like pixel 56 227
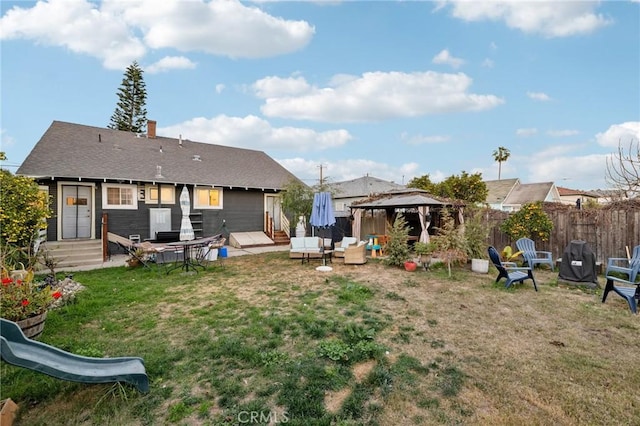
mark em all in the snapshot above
pixel 6 281
pixel 57 295
pixel 25 302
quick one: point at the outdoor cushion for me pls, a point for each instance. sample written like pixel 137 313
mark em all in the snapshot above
pixel 346 242
pixel 304 245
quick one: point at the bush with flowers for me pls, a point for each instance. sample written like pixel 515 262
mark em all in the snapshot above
pixel 22 298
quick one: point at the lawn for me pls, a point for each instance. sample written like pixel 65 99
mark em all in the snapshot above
pixel 266 340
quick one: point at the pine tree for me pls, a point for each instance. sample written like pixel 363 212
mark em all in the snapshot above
pixel 130 113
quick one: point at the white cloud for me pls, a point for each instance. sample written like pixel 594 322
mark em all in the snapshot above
pixel 169 63
pixel 539 96
pixel 275 87
pixel 218 27
pixel 526 132
pixel 372 96
pixel 487 63
pixel 562 133
pixel 619 133
pixel 348 169
pixel 220 88
pixel 118 32
pixel 6 140
pixel 575 171
pixel 423 139
pixel 255 133
pixel 444 57
pixel 78 26
pixel 548 18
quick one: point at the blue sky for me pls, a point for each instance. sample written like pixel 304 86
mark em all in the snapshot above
pixel 390 89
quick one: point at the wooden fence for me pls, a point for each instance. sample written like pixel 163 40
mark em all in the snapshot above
pixel 607 229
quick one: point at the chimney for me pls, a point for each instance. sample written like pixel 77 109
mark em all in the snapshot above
pixel 151 129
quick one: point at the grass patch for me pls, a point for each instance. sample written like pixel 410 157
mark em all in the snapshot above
pixel 266 339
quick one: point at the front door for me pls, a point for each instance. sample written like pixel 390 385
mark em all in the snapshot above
pixel 76 211
pixel 272 206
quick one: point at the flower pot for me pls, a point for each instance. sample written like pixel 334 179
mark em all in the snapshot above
pixel 32 327
pixel 480 265
pixel 410 266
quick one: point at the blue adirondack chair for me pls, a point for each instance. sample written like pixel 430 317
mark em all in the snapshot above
pixel 531 256
pixel 626 287
pixel 625 266
pixel 510 271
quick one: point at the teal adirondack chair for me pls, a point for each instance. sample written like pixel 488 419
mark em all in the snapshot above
pixel 531 256
pixel 628 287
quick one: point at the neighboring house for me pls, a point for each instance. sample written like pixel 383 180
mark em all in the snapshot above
pixel 136 180
pixel 498 191
pixel 346 192
pixel 609 195
pixel 509 194
pixel 571 196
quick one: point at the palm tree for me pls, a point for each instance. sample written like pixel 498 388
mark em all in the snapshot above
pixel 500 155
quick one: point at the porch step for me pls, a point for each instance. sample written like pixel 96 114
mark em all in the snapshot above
pixel 280 238
pixel 76 253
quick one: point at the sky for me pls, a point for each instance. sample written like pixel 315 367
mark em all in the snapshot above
pixel 342 89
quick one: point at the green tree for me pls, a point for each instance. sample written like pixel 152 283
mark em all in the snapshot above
pixel 451 243
pixel 297 200
pixel 130 113
pixel 23 208
pixel 398 247
pixel 528 222
pixel 465 187
pixel 422 182
pixel 501 155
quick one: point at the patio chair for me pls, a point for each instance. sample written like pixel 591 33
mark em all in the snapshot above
pixel 510 271
pixel 531 256
pixel 624 266
pixel 622 280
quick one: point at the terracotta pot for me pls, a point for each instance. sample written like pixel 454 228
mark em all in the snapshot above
pixel 410 266
pixel 32 327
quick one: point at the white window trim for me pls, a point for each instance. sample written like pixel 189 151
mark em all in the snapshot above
pixel 148 200
pixel 107 206
pixel 207 207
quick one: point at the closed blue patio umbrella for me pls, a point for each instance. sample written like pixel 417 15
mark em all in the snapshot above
pixel 322 211
pixel 322 217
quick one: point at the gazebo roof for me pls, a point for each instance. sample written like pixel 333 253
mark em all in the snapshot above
pixel 401 199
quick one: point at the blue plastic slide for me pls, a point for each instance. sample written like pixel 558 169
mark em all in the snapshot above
pixel 17 350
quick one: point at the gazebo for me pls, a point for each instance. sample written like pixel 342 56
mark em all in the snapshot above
pixel 410 200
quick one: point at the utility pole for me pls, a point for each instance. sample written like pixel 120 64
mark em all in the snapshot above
pixel 321 178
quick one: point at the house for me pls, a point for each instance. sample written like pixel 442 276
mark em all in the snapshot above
pixel 346 192
pixel 499 190
pixel 576 197
pixel 130 184
pixel 509 194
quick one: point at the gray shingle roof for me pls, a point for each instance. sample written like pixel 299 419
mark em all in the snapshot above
pixel 529 193
pixel 362 187
pixel 68 150
pixel 498 190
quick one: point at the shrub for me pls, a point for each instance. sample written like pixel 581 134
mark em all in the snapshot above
pixel 529 222
pixel 398 247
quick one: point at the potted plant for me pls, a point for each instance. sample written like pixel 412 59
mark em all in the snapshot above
pixel 24 301
pixel 424 251
pixel 476 235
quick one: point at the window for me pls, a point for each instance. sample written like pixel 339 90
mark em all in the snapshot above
pixel 119 197
pixel 167 194
pixel 208 198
